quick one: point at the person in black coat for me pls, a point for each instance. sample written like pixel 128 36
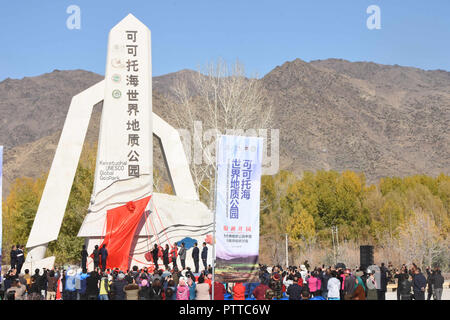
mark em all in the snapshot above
pixel 144 291
pixel 155 253
pixel 104 254
pixel 13 256
pixel 404 286
pixel 204 255
pixel 166 257
pixel 401 276
pixel 20 258
pixel 84 255
pixel 430 280
pixel 195 257
pixel 438 283
pixel 383 282
pixel 294 291
pixel 92 289
pixel 419 284
pixel 96 257
pixel 117 287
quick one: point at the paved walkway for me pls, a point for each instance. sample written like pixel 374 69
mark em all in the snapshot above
pixel 393 295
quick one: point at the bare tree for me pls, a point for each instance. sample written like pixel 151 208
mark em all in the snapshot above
pixel 221 99
pixel 420 240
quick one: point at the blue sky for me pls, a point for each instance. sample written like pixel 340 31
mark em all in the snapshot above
pixel 261 34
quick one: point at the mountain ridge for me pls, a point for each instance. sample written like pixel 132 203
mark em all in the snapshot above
pixel 382 120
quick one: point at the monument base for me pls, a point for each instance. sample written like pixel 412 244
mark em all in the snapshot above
pixel 31 265
pixel 172 219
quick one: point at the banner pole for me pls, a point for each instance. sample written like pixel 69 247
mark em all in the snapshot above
pixel 214 219
pixel 1 204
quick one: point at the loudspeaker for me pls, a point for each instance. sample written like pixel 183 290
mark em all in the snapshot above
pixel 365 256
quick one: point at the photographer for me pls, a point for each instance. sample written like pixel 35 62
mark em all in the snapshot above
pixel 16 291
pixel 401 276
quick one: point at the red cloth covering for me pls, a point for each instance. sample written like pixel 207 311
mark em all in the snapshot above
pixel 121 225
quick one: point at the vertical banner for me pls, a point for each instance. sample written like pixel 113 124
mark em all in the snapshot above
pixel 239 162
pixel 1 205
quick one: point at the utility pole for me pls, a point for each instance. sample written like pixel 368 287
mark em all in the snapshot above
pixel 287 251
pixel 335 238
pixel 337 242
pixel 334 245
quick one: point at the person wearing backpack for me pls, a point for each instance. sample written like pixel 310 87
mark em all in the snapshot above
pixel 276 286
pixel 16 291
pixel 52 282
pixel 156 292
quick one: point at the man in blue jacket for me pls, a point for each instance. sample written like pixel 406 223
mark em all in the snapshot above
pixel 419 284
pixel 204 255
pixel 70 288
pixel 195 256
pixel 104 254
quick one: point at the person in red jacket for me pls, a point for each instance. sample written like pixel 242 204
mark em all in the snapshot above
pixel 260 291
pixel 173 255
pixel 239 291
pixel 219 291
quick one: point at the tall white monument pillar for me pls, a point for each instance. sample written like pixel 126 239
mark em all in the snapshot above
pixel 124 160
pixel 124 168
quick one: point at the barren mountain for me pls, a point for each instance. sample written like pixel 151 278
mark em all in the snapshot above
pixel 332 114
pixel 381 120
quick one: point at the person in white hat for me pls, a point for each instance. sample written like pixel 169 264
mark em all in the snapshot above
pixel 303 272
pixel 70 284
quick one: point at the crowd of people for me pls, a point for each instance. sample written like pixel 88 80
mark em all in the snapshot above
pixel 341 283
pixel 174 283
